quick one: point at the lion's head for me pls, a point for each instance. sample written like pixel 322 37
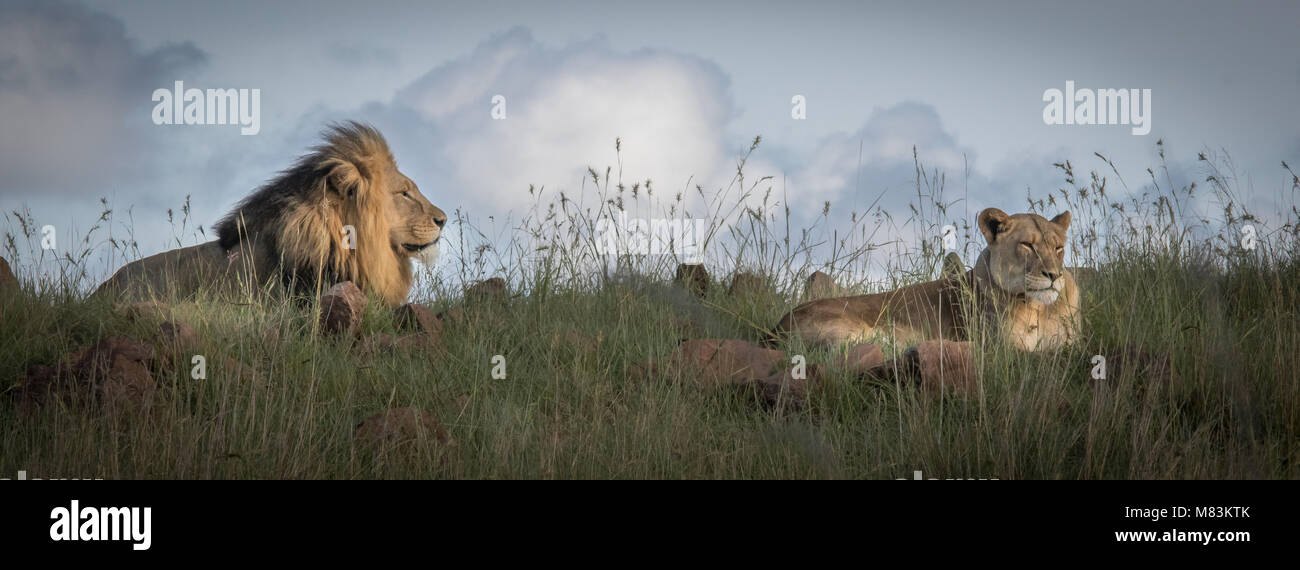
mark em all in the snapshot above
pixel 343 212
pixel 1026 253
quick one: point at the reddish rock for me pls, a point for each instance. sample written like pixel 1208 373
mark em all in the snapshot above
pixel 384 343
pixel 722 361
pixel 341 309
pixel 820 286
pixel 144 310
pixel 175 339
pixel 861 358
pixel 489 290
pixel 418 318
pixel 402 425
pixel 783 391
pixel 1132 363
pixel 936 366
pixel 7 280
pixel 126 384
pixel 749 285
pixel 114 373
pixel 452 316
pixel 693 277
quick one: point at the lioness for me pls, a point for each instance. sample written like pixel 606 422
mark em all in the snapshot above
pixel 1019 289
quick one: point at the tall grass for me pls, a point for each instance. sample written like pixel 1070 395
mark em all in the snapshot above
pixel 1173 280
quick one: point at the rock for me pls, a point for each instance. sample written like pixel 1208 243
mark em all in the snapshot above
pixel 126 384
pixel 114 373
pixel 175 339
pixel 418 318
pixel 783 391
pixel 452 316
pixel 952 266
pixel 490 290
pixel 143 310
pixel 936 366
pixel 1132 363
pixel 107 349
pixel 693 277
pixel 821 285
pixel 709 362
pixel 341 309
pixel 7 280
pixel 401 425
pixel 749 285
pixel 861 358
pixel 36 386
pixel 389 343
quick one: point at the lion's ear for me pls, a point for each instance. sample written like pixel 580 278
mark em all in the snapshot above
pixel 992 222
pixel 1063 220
pixel 345 180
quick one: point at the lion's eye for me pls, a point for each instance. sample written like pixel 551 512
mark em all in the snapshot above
pixel 1027 245
pixel 406 194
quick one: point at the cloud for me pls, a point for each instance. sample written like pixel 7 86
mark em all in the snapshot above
pixel 74 94
pixel 361 55
pixel 564 107
pixel 877 160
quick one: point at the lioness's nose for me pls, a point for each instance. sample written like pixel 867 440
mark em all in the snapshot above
pixel 439 217
pixel 1052 275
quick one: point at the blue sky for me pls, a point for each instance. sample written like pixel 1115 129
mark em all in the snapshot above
pixel 686 85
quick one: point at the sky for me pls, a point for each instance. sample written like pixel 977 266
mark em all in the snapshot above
pixel 685 86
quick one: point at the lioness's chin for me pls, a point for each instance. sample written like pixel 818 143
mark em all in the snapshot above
pixel 1043 296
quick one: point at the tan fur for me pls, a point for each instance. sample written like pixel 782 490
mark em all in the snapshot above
pixel 293 230
pixel 1021 293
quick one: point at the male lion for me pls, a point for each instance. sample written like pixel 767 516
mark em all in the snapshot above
pixel 1018 289
pixel 343 212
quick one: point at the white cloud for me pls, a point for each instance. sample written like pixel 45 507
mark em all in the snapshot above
pixel 564 109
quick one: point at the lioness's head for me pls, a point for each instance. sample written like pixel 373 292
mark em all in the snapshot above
pixel 1026 253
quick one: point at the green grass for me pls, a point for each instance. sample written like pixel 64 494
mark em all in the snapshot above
pixel 1227 320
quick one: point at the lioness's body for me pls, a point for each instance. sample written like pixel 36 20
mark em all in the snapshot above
pixel 996 294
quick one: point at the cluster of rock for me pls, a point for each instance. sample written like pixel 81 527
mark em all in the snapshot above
pixel 777 380
pixel 118 373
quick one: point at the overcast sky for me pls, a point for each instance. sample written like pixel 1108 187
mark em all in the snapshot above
pixel 686 85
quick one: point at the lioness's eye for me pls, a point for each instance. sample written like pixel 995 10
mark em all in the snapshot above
pixel 1027 244
pixel 406 194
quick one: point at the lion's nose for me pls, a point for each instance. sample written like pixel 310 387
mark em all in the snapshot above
pixel 1052 275
pixel 440 218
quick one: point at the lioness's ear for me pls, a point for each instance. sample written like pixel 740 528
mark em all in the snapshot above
pixel 1063 220
pixel 993 222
